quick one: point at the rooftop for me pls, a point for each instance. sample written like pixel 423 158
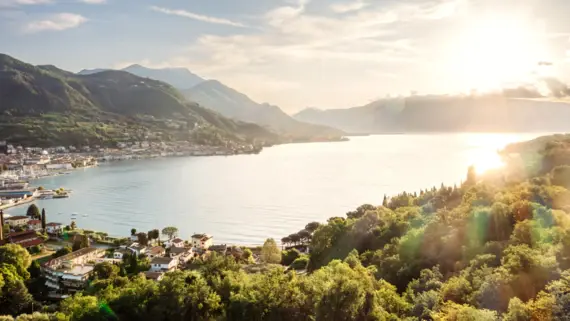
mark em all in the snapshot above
pixel 80 270
pixel 180 250
pixel 53 224
pixel 178 240
pixel 20 217
pixel 71 256
pixel 161 260
pixel 34 222
pixel 153 275
pixel 156 250
pixel 202 236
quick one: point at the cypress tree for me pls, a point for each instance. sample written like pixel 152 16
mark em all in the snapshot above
pixel 44 219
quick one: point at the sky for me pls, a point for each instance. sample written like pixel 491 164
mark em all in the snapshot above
pixel 304 53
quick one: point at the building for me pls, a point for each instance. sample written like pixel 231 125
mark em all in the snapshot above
pixel 163 264
pixel 59 166
pixel 71 272
pixel 156 276
pixel 17 221
pixel 177 242
pixel 54 228
pixel 155 251
pixel 119 254
pixel 25 239
pixel 183 254
pixel 201 242
pixel 137 248
pixel 35 225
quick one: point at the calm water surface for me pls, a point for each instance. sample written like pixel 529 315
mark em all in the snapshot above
pixel 245 199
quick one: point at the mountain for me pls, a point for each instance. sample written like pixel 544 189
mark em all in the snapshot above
pixel 179 78
pixel 44 105
pixel 483 113
pixel 231 103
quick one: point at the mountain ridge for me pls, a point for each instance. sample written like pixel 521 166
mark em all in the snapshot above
pixel 45 105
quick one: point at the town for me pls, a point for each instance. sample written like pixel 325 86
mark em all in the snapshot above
pixel 69 255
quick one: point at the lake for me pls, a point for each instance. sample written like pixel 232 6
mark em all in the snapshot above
pixel 245 199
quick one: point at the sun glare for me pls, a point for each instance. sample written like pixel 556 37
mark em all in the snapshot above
pixel 494 51
pixel 483 150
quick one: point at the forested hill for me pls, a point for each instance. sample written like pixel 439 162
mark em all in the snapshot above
pixel 44 105
pixel 496 247
pixel 484 113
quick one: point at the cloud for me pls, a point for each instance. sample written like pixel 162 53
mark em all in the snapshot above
pixel 57 22
pixel 15 3
pixel 94 1
pixel 348 7
pixel 195 16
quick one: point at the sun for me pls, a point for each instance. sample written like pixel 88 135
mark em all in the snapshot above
pixel 493 51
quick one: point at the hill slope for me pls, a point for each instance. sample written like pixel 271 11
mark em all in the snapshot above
pixel 495 113
pixel 46 106
pixel 179 78
pixel 231 103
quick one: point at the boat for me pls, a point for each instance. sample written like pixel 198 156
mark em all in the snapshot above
pixel 74 214
pixel 84 215
pixel 61 195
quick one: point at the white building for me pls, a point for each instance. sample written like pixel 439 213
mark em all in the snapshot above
pixel 120 253
pixel 71 272
pixel 54 228
pixel 137 248
pixel 177 242
pixel 59 166
pixel 17 221
pixel 201 242
pixel 35 225
pixel 163 264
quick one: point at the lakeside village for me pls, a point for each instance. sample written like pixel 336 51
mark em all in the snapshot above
pixel 68 255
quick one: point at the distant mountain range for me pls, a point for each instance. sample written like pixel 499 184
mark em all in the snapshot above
pixel 482 113
pixel 216 96
pixel 44 105
pixel 180 78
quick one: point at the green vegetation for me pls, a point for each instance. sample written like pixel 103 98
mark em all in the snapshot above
pixel 33 212
pixel 46 106
pixel 497 247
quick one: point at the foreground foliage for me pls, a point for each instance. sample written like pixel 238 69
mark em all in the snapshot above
pixel 496 247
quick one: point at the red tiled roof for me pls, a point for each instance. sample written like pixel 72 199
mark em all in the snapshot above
pixel 20 217
pixel 34 222
pixel 54 224
pixel 31 243
pixel 15 234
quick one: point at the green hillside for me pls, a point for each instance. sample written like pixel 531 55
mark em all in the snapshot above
pixel 44 105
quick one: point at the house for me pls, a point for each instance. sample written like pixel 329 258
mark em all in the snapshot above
pixel 176 242
pixel 17 221
pixel 35 225
pixel 220 249
pixel 156 251
pixel 201 242
pixel 156 276
pixel 163 264
pixel 25 239
pixel 183 254
pixel 137 248
pixel 120 253
pixel 70 273
pixel 54 228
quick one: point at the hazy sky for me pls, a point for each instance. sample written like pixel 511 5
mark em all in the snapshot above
pixel 300 53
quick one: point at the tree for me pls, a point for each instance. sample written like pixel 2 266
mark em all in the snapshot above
pixel 61 252
pixel 304 235
pixel 33 212
pixel 286 240
pixel 80 241
pixel 289 256
pixel 295 238
pixel 73 225
pixel 312 227
pixel 43 219
pixel 385 201
pixel 142 238
pixel 105 270
pixel 170 231
pixel 471 177
pixel 153 234
pixel 270 253
pixel 16 256
pixel 133 231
